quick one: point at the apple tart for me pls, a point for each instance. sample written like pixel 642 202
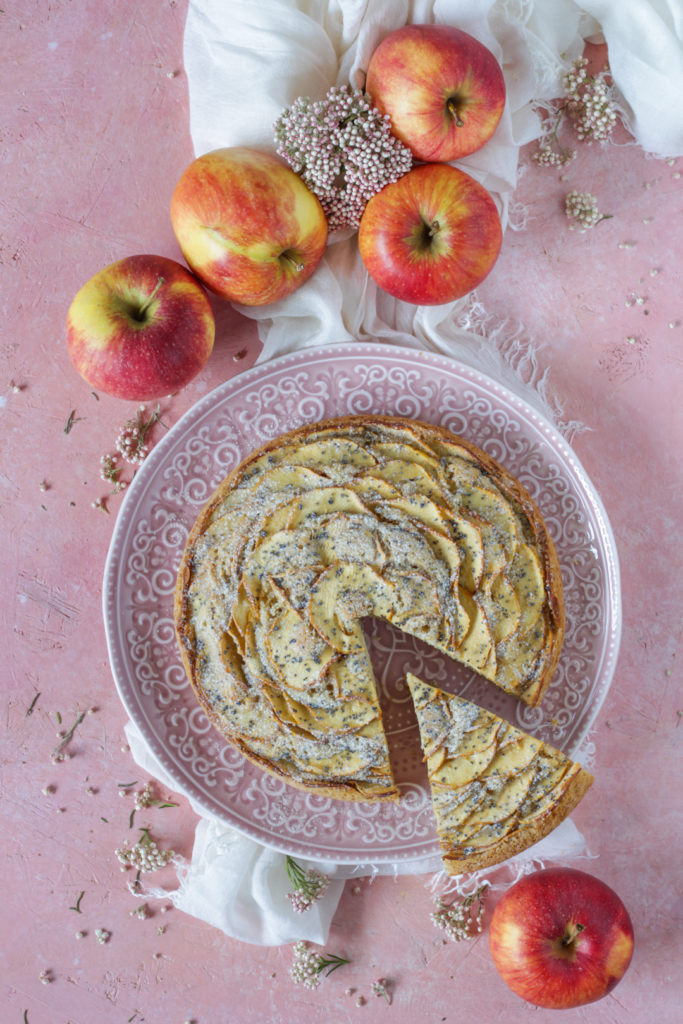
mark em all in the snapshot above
pixel 495 789
pixel 336 521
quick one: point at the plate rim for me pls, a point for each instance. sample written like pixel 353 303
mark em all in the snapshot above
pixel 222 392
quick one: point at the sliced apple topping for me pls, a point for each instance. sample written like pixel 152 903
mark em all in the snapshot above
pixel 461 771
pixel 231 656
pixel 277 477
pixel 468 538
pixel 297 651
pixel 295 585
pixel 401 444
pixel 241 610
pixel 526 576
pixel 372 488
pixel 323 501
pixel 347 538
pixel 492 508
pixel 351 677
pixel 494 556
pixel 502 609
pixel 411 479
pixel 423 510
pixel 334 455
pixel 342 594
pixel 320 721
pixel 416 608
pixel 343 764
pixel 484 807
pixel 519 657
pixel 273 557
pixel 476 647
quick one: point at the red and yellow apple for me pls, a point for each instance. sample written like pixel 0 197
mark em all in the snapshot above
pixel 430 237
pixel 561 938
pixel 443 90
pixel 140 328
pixel 247 225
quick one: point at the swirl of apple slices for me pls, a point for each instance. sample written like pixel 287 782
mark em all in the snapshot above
pixel 366 516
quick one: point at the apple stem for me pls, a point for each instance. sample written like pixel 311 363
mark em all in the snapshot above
pixel 572 933
pixel 145 306
pixel 297 264
pixel 455 113
pixel 434 228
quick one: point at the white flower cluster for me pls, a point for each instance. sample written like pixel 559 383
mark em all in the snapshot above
pixel 110 472
pixel 131 442
pixel 546 156
pixel 308 967
pixel 591 104
pixel 582 207
pixel 144 797
pixel 142 911
pixel 145 855
pixel 312 889
pixel 310 885
pixel 461 920
pixel 343 149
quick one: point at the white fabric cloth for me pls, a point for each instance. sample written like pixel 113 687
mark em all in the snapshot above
pixel 245 62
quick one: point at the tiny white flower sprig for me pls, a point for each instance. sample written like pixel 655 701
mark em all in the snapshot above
pixel 132 439
pixel 111 472
pixel 589 103
pixel 142 912
pixel 145 798
pixel 343 149
pixel 582 209
pixel 381 988
pixel 309 886
pixel 145 855
pixel 131 445
pixel 462 918
pixel 309 967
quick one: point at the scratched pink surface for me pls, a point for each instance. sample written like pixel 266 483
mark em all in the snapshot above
pixel 95 135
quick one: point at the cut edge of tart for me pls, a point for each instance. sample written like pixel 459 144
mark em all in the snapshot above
pixel 495 789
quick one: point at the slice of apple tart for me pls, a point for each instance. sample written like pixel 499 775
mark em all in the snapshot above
pixel 495 789
pixel 336 521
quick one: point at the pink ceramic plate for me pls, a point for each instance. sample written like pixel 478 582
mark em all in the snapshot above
pixel 177 479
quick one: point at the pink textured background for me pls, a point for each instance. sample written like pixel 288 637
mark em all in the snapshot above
pixel 94 137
